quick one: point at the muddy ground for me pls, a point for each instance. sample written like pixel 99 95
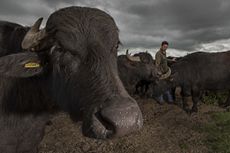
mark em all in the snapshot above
pixel 167 129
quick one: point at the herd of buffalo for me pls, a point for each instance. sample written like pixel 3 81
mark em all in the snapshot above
pixel 72 65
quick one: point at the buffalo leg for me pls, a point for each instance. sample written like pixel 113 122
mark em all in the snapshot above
pixel 185 104
pixel 142 89
pixel 146 89
pixel 196 94
pixel 227 103
pixel 173 91
pixel 185 92
pixel 138 85
pixel 21 134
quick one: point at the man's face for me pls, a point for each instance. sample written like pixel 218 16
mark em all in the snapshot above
pixel 164 47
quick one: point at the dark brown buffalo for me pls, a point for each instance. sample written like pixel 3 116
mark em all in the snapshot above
pixel 11 32
pixel 197 72
pixel 143 86
pixel 75 66
pixel 135 69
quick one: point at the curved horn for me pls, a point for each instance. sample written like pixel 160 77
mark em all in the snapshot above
pixel 132 58
pixel 166 75
pixel 34 35
pixel 36 26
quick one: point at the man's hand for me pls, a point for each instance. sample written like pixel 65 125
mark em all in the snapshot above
pixel 174 59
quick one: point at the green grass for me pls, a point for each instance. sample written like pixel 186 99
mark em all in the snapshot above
pixel 215 98
pixel 218 133
pixel 183 146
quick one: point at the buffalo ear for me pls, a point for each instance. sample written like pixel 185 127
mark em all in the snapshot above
pixel 21 65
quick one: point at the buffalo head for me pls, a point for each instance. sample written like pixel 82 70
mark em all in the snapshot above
pixel 81 47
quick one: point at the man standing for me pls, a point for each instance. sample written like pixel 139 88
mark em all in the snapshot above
pixel 162 66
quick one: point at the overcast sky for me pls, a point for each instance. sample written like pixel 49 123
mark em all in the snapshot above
pixel 188 25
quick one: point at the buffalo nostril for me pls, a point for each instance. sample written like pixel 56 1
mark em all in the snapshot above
pixel 98 126
pixel 109 127
pixel 113 121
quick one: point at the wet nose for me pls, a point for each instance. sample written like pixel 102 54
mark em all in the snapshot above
pixel 116 120
pixel 124 118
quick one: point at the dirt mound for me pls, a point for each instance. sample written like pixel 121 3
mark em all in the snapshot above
pixel 167 129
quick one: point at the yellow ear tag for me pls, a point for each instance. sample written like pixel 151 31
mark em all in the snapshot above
pixel 32 65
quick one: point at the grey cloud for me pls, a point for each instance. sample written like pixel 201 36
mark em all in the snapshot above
pixel 184 23
pixel 55 3
pixel 10 7
pixel 23 8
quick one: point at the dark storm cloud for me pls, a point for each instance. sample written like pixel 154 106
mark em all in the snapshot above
pixel 22 8
pixel 24 12
pixel 10 7
pixel 186 24
pixel 54 3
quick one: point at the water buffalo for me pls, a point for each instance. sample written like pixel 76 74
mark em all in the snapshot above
pixel 197 72
pixel 74 65
pixel 11 32
pixel 143 86
pixel 133 69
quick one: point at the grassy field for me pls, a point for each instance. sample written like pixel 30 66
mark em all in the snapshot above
pixel 218 129
pixel 218 133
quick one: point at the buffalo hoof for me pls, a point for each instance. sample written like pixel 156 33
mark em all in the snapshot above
pixel 194 110
pixel 49 123
pixel 187 110
pixel 191 111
